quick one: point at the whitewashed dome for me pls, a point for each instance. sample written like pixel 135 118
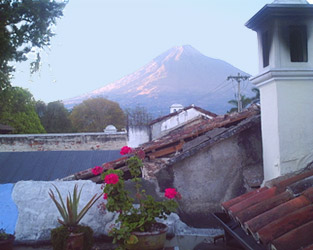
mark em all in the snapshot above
pixel 110 129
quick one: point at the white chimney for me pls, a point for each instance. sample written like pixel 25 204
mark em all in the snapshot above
pixel 285 80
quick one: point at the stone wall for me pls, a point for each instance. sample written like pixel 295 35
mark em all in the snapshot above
pixel 60 142
pixel 215 174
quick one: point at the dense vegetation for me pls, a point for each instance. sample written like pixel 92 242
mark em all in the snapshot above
pixel 17 109
pixel 94 114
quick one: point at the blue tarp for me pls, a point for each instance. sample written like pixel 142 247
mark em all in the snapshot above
pixel 8 209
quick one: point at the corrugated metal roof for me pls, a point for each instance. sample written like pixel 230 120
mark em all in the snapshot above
pixel 49 165
pixel 279 215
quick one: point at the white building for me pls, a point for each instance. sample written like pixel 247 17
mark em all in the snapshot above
pixel 165 124
pixel 285 38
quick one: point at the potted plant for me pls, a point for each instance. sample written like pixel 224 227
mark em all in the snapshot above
pixel 71 235
pixel 6 240
pixel 136 222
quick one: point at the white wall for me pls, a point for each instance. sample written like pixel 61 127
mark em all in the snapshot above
pixel 161 128
pixel 137 136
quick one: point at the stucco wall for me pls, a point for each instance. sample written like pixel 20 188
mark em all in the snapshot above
pixel 58 142
pixel 215 174
pixel 161 128
pixel 138 135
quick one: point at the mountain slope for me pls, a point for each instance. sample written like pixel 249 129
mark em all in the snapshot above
pixel 180 75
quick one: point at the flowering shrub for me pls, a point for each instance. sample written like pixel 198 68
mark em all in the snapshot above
pixel 111 178
pixel 125 150
pixel 170 193
pixel 134 218
pixel 97 170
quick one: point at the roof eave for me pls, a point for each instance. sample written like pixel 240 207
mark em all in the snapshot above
pixel 271 10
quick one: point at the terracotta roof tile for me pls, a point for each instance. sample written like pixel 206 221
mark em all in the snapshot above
pixel 263 206
pixel 227 204
pixel 263 219
pixel 285 224
pixel 256 198
pixel 280 216
pixel 295 239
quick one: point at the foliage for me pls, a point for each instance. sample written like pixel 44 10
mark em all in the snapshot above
pixel 17 109
pixel 69 213
pixel 3 234
pixel 256 98
pixel 134 218
pixel 54 117
pixel 25 25
pixel 245 101
pixel 138 116
pixel 94 114
pixel 60 234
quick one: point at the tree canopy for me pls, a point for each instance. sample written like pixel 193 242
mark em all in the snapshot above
pixel 94 114
pixel 17 109
pixel 54 117
pixel 24 24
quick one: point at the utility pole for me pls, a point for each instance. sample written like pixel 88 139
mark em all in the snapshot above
pixel 238 79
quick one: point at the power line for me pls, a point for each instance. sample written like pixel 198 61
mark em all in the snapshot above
pixel 238 79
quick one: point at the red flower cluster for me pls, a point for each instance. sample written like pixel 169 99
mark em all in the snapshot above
pixel 111 179
pixel 97 170
pixel 125 150
pixel 105 196
pixel 170 193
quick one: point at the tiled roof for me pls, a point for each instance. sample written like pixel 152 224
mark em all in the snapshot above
pixel 184 109
pixel 280 214
pixel 181 142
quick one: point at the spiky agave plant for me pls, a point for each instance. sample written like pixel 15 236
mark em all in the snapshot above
pixel 69 213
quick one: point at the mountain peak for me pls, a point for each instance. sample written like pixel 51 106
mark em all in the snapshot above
pixel 176 53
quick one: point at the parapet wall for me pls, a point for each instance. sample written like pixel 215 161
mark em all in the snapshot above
pixel 60 142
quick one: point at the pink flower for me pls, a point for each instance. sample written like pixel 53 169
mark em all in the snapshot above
pixel 97 170
pixel 125 150
pixel 111 179
pixel 170 193
pixel 105 196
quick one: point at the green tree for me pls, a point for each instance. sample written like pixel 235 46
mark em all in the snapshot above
pixel 24 24
pixel 94 114
pixel 18 111
pixel 245 101
pixel 54 117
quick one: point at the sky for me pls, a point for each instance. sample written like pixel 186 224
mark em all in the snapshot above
pixel 100 41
